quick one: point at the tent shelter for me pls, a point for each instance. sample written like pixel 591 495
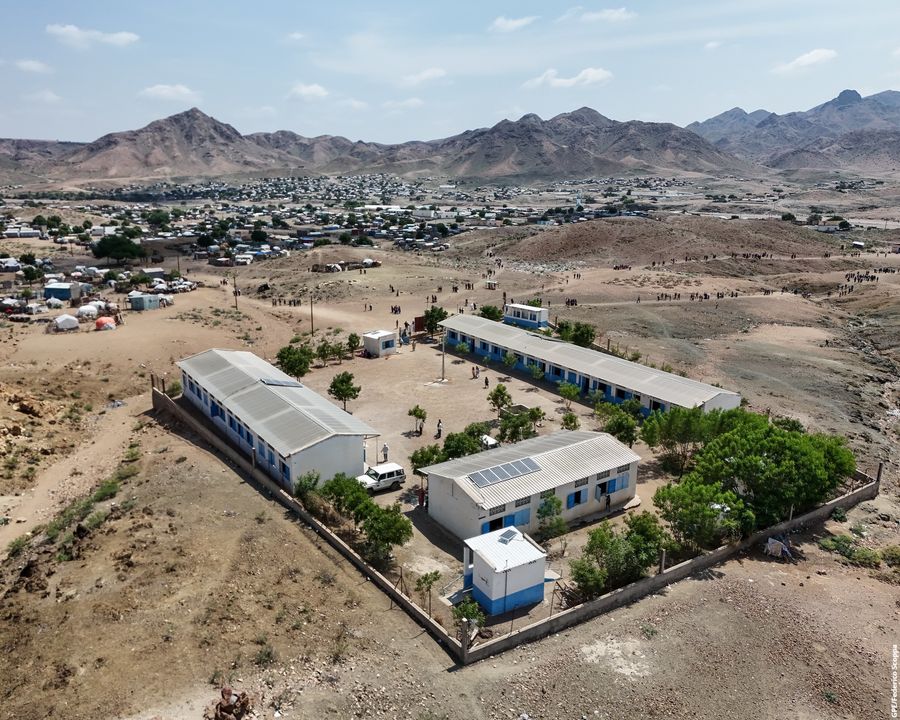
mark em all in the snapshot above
pixel 65 323
pixel 86 312
pixel 105 323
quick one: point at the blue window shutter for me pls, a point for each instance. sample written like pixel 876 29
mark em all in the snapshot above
pixel 485 527
pixel 582 496
pixel 570 501
pixel 624 483
pixel 523 517
pixel 509 520
pixel 612 486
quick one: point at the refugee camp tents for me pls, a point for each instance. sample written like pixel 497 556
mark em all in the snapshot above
pixel 86 312
pixel 54 303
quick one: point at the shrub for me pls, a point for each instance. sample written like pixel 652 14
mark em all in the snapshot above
pixel 865 557
pixel 891 555
pixel 173 389
pixel 839 514
pixel 16 546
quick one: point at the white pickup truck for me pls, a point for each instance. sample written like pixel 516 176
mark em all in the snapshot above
pixel 380 477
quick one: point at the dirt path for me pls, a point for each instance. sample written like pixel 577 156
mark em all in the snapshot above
pixel 74 475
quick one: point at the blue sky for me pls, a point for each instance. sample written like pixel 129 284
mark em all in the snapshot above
pixel 395 71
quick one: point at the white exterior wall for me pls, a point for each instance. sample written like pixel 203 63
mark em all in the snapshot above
pixel 722 401
pixel 452 508
pixel 340 453
pixel 500 584
pixel 456 512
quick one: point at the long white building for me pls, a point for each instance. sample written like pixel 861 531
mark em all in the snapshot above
pixel 589 472
pixel 264 412
pixel 590 370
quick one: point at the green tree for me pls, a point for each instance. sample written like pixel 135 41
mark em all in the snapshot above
pixel 550 521
pixel 536 416
pixel 424 583
pixel 117 248
pixel 509 360
pixel 39 221
pixel 457 445
pixel 323 352
pixel 295 360
pixel 462 347
pixel 491 312
pixel 27 259
pixel 433 317
pixel 343 389
pixel 569 393
pixel 648 537
pixel 499 398
pixel 418 414
pixel 680 433
pixel 583 334
pixel 622 427
pixel 258 235
pixel 702 515
pixel 353 342
pixel 570 421
pixel 775 471
pixel 385 528
pixel 30 274
pixel 425 456
pixel 515 427
pixel 306 484
pixel 788 217
pixel 536 372
pixel 468 609
pixel 347 496
pixel 159 218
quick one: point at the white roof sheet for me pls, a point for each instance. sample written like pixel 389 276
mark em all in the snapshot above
pixel 562 457
pixel 666 387
pixel 500 555
pixel 289 417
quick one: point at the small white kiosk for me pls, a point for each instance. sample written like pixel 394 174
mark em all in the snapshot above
pixel 380 343
pixel 504 570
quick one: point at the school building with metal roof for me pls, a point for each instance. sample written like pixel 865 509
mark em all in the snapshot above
pixel 288 428
pixel 590 472
pixel 592 371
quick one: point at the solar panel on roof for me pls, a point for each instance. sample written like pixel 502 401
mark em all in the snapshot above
pixel 280 383
pixel 506 471
pixel 507 536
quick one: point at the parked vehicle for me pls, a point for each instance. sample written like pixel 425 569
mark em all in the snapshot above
pixel 381 477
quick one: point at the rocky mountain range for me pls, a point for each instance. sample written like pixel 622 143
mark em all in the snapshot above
pixel 849 132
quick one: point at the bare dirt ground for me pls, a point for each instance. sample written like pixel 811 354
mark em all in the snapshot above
pixel 195 578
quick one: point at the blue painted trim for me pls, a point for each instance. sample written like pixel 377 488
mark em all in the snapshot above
pixel 467 580
pixel 521 598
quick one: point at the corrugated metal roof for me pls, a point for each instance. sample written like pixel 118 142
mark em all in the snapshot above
pixel 290 418
pixel 667 387
pixel 520 550
pixel 563 457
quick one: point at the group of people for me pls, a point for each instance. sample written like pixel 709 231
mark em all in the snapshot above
pixel 395 309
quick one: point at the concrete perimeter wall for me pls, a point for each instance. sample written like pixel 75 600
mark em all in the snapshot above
pixel 164 403
pixel 529 633
pixel 635 591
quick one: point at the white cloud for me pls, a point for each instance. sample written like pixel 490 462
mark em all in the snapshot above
pixel 33 66
pixel 82 39
pixel 505 24
pixel 432 73
pixel 813 57
pixel 408 104
pixel 354 104
pixel 712 45
pixel 610 15
pixel 48 97
pixel 588 76
pixel 309 91
pixel 295 36
pixel 169 92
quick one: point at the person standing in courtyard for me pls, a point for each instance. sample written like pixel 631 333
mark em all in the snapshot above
pixel 384 452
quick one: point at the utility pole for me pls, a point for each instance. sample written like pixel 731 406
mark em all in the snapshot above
pixel 235 291
pixel 443 354
pixel 312 327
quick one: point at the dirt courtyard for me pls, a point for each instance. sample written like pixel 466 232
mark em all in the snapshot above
pixel 195 578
